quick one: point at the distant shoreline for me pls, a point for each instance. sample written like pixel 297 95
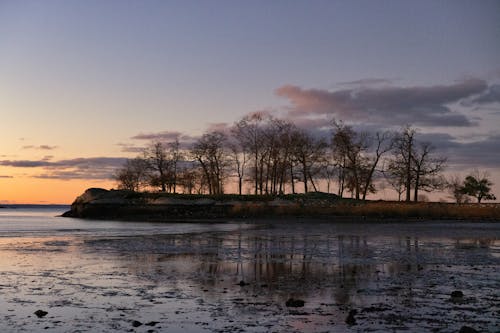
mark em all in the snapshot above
pixel 10 206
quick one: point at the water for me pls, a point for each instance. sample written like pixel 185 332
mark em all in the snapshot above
pixel 100 276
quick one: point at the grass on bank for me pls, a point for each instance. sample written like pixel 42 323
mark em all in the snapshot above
pixel 316 204
pixel 382 210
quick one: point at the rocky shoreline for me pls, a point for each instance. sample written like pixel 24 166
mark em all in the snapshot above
pixel 96 203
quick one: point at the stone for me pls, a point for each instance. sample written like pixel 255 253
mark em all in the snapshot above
pixel 457 296
pixel 40 313
pixel 350 320
pixel 467 329
pixel 136 323
pixel 294 303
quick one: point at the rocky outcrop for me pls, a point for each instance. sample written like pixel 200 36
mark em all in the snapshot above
pixel 98 203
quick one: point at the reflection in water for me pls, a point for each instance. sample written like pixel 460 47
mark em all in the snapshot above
pixel 310 265
pixel 398 278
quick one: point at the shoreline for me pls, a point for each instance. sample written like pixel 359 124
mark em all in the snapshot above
pixel 119 205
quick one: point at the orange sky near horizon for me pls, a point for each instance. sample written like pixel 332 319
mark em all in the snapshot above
pixel 45 191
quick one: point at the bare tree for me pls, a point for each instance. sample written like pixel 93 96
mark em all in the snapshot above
pixel 396 179
pixel 402 163
pixel 384 144
pixel 133 175
pixel 175 156
pixel 189 178
pixel 350 149
pixel 426 169
pixel 308 153
pixel 239 157
pixel 454 185
pixel 250 133
pixel 156 155
pixel 416 164
pixel 209 152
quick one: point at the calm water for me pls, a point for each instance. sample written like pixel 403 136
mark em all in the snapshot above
pixel 100 276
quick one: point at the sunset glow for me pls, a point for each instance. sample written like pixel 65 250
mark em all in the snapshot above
pixel 85 85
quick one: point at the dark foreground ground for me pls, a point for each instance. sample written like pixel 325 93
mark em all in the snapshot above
pixel 238 277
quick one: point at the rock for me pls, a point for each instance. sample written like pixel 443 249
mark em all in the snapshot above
pixel 350 320
pixel 151 323
pixel 243 283
pixel 467 329
pixel 40 313
pixel 136 323
pixel 457 296
pixel 294 303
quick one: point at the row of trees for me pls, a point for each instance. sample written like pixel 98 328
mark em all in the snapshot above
pixel 265 155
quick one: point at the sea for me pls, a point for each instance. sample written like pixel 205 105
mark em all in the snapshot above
pixel 299 275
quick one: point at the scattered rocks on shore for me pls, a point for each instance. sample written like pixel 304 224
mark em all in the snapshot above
pixel 294 303
pixel 40 313
pixel 467 329
pixel 457 296
pixel 350 320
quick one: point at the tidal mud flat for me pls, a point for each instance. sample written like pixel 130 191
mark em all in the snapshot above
pixel 391 277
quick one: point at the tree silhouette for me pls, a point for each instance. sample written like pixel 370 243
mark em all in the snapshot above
pixel 478 186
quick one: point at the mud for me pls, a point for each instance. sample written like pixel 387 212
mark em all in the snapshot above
pixel 397 278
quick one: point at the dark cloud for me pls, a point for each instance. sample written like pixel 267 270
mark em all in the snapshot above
pixel 471 154
pixel 491 95
pixel 4 176
pixel 25 163
pixel 163 136
pixel 185 140
pixel 483 153
pixel 77 168
pixel 40 147
pixel 424 106
pixel 367 82
pixel 130 148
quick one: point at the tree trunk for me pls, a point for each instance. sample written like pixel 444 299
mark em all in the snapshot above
pixel 408 171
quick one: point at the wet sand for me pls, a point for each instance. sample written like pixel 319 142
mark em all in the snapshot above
pixel 398 277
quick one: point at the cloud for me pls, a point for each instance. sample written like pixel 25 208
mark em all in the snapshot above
pixel 219 127
pixel 25 163
pixel 491 95
pixel 5 176
pixel 185 140
pixel 77 168
pixel 130 148
pixel 40 147
pixel 482 153
pixel 163 136
pixel 367 82
pixel 479 153
pixel 421 105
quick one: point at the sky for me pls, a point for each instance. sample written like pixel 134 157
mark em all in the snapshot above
pixel 83 84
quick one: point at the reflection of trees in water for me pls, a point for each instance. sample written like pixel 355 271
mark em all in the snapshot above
pixel 306 263
pixel 484 243
pixel 303 263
